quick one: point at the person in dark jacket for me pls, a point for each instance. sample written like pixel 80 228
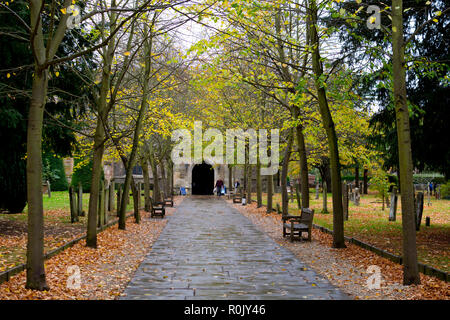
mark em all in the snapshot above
pixel 219 186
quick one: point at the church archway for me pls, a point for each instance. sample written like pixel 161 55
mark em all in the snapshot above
pixel 203 179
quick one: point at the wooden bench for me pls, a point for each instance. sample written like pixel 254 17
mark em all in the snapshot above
pixel 237 196
pixel 298 224
pixel 157 209
pixel 168 201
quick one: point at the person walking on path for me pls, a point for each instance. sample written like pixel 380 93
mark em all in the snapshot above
pixel 219 186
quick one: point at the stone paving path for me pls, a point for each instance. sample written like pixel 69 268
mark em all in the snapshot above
pixel 208 250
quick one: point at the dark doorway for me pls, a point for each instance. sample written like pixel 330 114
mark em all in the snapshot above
pixel 202 179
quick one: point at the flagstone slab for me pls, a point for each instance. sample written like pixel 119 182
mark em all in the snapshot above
pixel 208 250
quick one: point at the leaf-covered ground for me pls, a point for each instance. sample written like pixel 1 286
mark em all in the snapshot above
pixel 104 271
pixel 57 228
pixel 369 223
pixel 347 268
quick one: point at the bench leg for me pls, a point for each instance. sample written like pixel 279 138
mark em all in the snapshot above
pixel 292 235
pixel 309 235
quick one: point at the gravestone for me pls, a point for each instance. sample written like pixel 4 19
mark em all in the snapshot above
pixel 112 187
pixel 101 205
pixel 393 205
pixel 345 199
pixel 356 197
pixel 80 200
pixel 419 209
pixel 427 222
pixel 106 205
pixel 429 195
pixel 278 208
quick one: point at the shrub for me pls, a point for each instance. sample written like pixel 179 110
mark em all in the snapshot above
pixel 13 187
pixel 53 171
pixel 83 174
pixel 445 190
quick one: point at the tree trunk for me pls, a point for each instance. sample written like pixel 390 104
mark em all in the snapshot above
pixel 365 181
pixel 303 162
pixel 249 183
pixel 324 197
pixel 327 120
pixel 164 180
pixel 138 127
pixel 269 193
pixel 145 173
pixel 136 202
pixel 284 169
pixel 35 245
pixel 99 146
pixel 230 178
pixel 410 267
pixel 258 185
pixel 91 239
pixel 357 175
pixel 170 177
pixel 156 191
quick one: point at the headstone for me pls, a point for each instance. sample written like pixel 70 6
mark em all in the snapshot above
pixel 112 187
pixel 427 221
pixel 345 199
pixel 80 200
pixel 278 208
pixel 101 205
pixel 356 197
pixel 393 208
pixel 106 205
pixel 419 210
